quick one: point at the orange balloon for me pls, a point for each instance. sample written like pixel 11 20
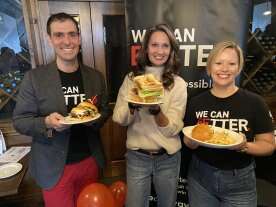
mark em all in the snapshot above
pixel 96 195
pixel 119 191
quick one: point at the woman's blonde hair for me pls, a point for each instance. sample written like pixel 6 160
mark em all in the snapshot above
pixel 219 47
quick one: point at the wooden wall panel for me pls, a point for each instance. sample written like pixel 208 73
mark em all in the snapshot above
pixel 114 144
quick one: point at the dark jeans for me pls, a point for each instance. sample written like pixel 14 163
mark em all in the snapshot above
pixel 212 187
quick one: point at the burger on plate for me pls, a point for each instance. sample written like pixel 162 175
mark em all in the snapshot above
pixel 84 110
pixel 202 132
pixel 146 89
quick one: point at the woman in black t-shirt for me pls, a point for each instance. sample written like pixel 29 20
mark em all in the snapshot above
pixel 226 177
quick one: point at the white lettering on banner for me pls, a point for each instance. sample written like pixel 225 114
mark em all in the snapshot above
pixel 186 33
pixel 199 84
pixel 182 192
pixel 200 53
pixel 182 36
pixel 151 198
pixel 187 53
pixel 138 36
pixel 180 204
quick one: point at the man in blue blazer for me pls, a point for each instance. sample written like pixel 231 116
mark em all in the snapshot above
pixel 64 158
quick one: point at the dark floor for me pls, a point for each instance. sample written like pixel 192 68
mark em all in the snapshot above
pixel 266 193
pixel 29 195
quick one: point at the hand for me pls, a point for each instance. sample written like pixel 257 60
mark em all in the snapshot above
pixel 242 147
pixel 132 107
pixel 154 110
pixel 52 121
pixel 190 143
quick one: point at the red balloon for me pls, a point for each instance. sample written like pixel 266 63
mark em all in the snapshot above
pixel 119 191
pixel 96 195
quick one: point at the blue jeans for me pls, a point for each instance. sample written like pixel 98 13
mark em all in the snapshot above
pixel 142 169
pixel 211 187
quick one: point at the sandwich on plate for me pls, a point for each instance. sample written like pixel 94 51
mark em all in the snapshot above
pixel 146 89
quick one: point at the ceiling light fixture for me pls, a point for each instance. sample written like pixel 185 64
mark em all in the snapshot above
pixel 268 10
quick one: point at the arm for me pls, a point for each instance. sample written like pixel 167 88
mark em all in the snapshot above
pixel 262 146
pixel 263 143
pixel 27 118
pixel 161 119
pixel 121 112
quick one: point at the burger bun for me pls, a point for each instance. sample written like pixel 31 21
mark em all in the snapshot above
pixel 202 132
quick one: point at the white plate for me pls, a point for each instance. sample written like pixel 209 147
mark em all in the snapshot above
pixel 236 136
pixel 69 120
pixel 9 169
pixel 145 103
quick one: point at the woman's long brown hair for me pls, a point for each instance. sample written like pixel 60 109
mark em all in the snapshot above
pixel 172 64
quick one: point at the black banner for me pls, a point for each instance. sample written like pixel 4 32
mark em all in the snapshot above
pixel 198 25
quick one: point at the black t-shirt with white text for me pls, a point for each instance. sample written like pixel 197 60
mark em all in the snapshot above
pixel 243 112
pixel 73 91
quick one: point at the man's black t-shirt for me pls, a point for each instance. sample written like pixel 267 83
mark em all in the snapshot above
pixel 243 112
pixel 73 91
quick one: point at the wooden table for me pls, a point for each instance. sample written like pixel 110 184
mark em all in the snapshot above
pixel 10 186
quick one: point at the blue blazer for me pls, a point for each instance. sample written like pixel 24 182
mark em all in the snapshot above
pixel 41 94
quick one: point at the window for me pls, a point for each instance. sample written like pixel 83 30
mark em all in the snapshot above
pixel 14 54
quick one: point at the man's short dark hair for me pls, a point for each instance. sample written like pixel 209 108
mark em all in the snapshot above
pixel 61 17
